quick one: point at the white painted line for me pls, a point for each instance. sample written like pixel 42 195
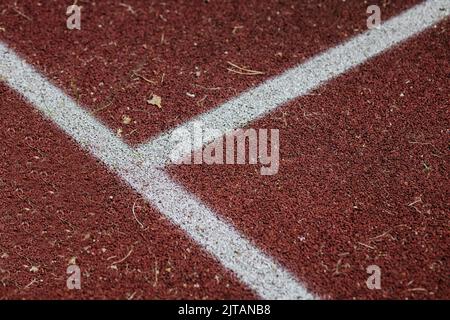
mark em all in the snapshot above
pixel 252 266
pixel 62 110
pixel 304 78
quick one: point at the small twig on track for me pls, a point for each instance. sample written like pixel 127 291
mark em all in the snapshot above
pixel 243 70
pixel 135 217
pixel 22 14
pixel 142 77
pixel 206 88
pixel 123 259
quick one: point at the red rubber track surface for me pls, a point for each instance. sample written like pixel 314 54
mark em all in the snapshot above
pixel 167 43
pixel 58 203
pixel 355 155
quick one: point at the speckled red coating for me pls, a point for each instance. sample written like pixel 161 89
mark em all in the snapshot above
pixel 167 43
pixel 164 43
pixel 363 180
pixel 57 203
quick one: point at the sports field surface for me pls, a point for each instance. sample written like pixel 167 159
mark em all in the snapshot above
pixel 86 135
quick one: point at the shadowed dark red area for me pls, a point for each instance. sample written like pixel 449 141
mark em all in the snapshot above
pixel 58 203
pixel 125 52
pixel 363 180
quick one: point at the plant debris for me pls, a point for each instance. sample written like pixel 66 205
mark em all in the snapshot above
pixel 126 119
pixel 155 101
pixel 243 70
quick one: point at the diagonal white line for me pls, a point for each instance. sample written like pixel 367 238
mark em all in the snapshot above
pixel 304 78
pixel 253 267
